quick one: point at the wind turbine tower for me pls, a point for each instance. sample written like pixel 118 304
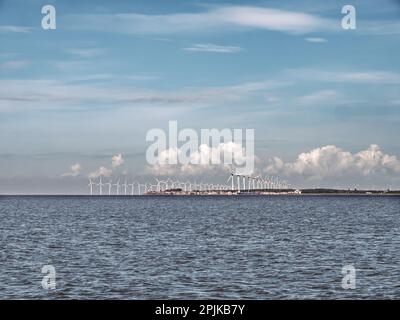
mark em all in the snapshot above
pixel 101 187
pixel 117 185
pixel 109 183
pixel 91 186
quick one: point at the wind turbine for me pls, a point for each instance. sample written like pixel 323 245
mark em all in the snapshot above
pixel 109 183
pixel 269 182
pixel 158 185
pixel 165 183
pixel 231 178
pixel 178 184
pixel 117 185
pixel 172 183
pixel 100 184
pixel 131 185
pixel 91 186
pixel 125 185
pixel 188 186
pixel 138 185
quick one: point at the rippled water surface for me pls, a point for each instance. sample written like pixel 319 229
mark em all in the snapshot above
pixel 200 247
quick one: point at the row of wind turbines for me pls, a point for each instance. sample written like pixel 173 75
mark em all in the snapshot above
pixel 107 187
pixel 239 183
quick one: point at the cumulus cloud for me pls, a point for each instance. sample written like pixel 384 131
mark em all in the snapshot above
pixel 205 159
pixel 332 162
pixel 75 170
pixel 117 161
pixel 100 172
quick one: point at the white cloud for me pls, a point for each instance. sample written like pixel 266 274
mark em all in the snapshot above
pixel 87 52
pixel 371 77
pixel 316 40
pixel 379 27
pixel 333 162
pixel 75 170
pixel 100 172
pixel 225 18
pixel 69 65
pixel 206 159
pixel 209 47
pixel 14 64
pixel 319 96
pixel 117 161
pixel 41 94
pixel 343 76
pixel 15 29
pixel 214 20
pixel 274 19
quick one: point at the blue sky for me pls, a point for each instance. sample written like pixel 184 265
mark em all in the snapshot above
pixel 111 71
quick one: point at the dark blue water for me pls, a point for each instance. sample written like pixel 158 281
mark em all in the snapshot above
pixel 200 247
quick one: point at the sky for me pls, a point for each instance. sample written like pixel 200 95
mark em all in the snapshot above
pixel 78 101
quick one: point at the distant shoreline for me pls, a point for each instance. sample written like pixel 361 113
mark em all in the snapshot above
pixel 272 194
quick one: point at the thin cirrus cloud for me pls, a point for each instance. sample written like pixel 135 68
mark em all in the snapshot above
pixel 343 76
pixel 319 96
pixel 87 52
pixel 14 64
pixel 15 29
pixel 316 40
pixel 18 95
pixel 209 47
pixel 218 19
pixel 42 94
pixel 379 27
